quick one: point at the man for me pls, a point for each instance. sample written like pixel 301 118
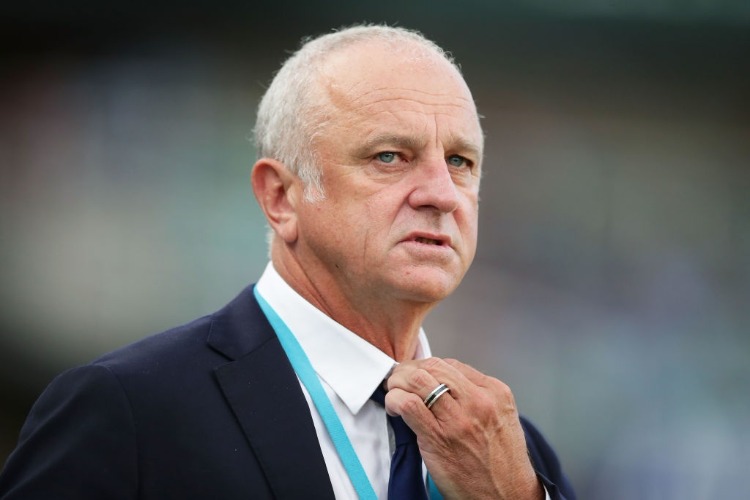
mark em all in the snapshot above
pixel 370 159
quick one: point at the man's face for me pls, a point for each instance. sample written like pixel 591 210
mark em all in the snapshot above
pixel 400 156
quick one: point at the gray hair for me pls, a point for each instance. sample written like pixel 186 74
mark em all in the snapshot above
pixel 293 110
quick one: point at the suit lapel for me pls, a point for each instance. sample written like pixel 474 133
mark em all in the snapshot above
pixel 264 393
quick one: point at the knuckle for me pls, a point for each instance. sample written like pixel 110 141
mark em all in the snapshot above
pixel 432 363
pixel 505 402
pixel 411 405
pixel 505 392
pixel 420 378
pixel 501 389
pixel 493 403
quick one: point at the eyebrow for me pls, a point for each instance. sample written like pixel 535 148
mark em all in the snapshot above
pixel 465 145
pixel 399 141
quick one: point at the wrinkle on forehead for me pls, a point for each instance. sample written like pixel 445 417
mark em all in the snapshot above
pixel 357 100
pixel 362 92
pixel 419 92
pixel 368 80
pixel 439 108
pixel 368 68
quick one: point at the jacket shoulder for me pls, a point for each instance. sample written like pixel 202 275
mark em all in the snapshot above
pixel 546 463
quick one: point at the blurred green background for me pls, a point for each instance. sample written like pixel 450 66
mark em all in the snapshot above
pixel 611 288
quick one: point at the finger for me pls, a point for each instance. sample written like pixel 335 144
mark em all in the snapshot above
pixel 497 387
pixel 471 373
pixel 408 404
pixel 423 376
pixel 418 417
pixel 399 401
pixel 412 377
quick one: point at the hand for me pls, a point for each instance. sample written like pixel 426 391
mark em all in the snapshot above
pixel 471 439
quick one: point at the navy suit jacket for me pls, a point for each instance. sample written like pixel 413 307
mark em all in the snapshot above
pixel 208 410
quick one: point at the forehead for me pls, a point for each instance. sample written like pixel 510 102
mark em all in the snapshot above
pixel 382 82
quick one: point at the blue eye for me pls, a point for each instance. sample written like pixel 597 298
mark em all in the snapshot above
pixel 457 161
pixel 387 157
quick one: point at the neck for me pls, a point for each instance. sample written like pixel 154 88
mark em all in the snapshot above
pixel 390 324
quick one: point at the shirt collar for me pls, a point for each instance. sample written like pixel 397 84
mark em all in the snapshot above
pixel 352 367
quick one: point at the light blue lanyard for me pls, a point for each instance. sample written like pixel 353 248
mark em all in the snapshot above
pixel 309 378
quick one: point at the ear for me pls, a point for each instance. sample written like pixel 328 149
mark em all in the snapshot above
pixel 277 191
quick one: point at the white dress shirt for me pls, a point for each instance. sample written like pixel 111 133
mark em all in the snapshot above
pixel 349 369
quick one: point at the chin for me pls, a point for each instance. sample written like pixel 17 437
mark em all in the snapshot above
pixel 427 289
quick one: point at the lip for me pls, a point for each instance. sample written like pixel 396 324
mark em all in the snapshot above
pixel 429 239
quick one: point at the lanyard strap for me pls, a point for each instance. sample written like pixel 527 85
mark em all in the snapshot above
pixel 309 378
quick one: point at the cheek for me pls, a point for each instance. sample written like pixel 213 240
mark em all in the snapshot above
pixel 382 208
pixel 323 225
pixel 469 221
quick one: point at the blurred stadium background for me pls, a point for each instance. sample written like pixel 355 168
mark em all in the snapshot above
pixel 611 288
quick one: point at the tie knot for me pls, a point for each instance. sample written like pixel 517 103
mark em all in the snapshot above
pixel 401 432
pixel 379 395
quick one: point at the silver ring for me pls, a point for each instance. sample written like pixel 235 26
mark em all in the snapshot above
pixel 435 395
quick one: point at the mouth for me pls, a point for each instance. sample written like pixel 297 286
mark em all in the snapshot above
pixel 428 241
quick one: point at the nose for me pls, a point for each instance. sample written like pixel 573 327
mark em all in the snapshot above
pixel 433 187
